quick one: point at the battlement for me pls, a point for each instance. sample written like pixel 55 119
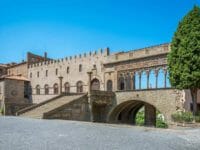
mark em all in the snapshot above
pixel 99 53
pixel 139 53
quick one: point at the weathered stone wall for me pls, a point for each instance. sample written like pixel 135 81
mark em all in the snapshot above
pixel 167 101
pixel 14 91
pixel 75 110
pixel 140 53
pixel 18 69
pixel 101 103
pixel 3 70
pixel 87 61
pixel 12 108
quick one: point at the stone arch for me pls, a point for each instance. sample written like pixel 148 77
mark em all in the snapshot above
pixel 109 85
pixel 126 111
pixel 95 84
pixel 67 87
pixel 55 88
pixel 79 86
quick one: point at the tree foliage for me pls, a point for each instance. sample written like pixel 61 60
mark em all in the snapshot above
pixel 184 58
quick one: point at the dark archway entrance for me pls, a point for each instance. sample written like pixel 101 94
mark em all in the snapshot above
pixel 95 85
pixel 126 113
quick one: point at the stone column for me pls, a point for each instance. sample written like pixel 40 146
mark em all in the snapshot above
pixel 133 81
pixel 89 82
pixel 156 74
pixel 140 80
pixel 165 82
pixel 60 78
pixel 89 96
pixel 147 72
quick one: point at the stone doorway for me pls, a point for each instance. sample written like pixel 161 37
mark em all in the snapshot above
pixel 99 112
pixel 95 85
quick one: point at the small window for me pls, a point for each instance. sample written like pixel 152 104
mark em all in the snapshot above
pixel 94 67
pixel 38 74
pixel 37 90
pixel 30 75
pixel 67 70
pixel 80 68
pixel 46 73
pixel 56 71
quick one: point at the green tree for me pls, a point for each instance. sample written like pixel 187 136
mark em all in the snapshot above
pixel 184 58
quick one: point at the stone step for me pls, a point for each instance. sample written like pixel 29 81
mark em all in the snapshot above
pixel 41 109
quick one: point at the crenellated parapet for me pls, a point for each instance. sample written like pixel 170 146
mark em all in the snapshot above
pixel 95 54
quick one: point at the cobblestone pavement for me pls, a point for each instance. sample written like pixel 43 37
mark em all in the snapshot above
pixel 32 134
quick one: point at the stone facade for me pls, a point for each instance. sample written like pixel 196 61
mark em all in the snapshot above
pixel 117 85
pixel 73 70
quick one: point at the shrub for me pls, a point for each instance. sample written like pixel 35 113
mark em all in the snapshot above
pixel 140 118
pixel 182 117
pixel 160 123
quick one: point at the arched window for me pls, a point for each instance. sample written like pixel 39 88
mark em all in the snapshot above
pixel 109 85
pixel 80 68
pixel 121 84
pixel 67 70
pixel 46 89
pixel 137 80
pixel 161 78
pixel 143 80
pixel 67 87
pixel 79 86
pixel 152 79
pixel 38 90
pixel 128 81
pixel 95 84
pixel 55 88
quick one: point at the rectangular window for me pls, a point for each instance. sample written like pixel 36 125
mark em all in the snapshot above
pixel 31 75
pixel 46 73
pixel 56 71
pixel 38 74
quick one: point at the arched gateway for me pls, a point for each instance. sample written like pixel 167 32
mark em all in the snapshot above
pixel 125 105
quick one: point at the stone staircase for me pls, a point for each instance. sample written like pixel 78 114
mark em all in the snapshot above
pixel 38 110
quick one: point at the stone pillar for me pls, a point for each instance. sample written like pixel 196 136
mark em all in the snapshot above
pixel 150 115
pixel 60 78
pixel 147 72
pixel 125 82
pixel 89 96
pixel 133 81
pixel 89 81
pixel 140 80
pixel 165 82
pixel 156 74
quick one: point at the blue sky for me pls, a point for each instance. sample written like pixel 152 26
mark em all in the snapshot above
pixel 64 28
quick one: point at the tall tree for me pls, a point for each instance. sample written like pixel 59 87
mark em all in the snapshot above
pixel 184 58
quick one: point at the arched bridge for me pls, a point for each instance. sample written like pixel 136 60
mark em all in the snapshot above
pixel 126 104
